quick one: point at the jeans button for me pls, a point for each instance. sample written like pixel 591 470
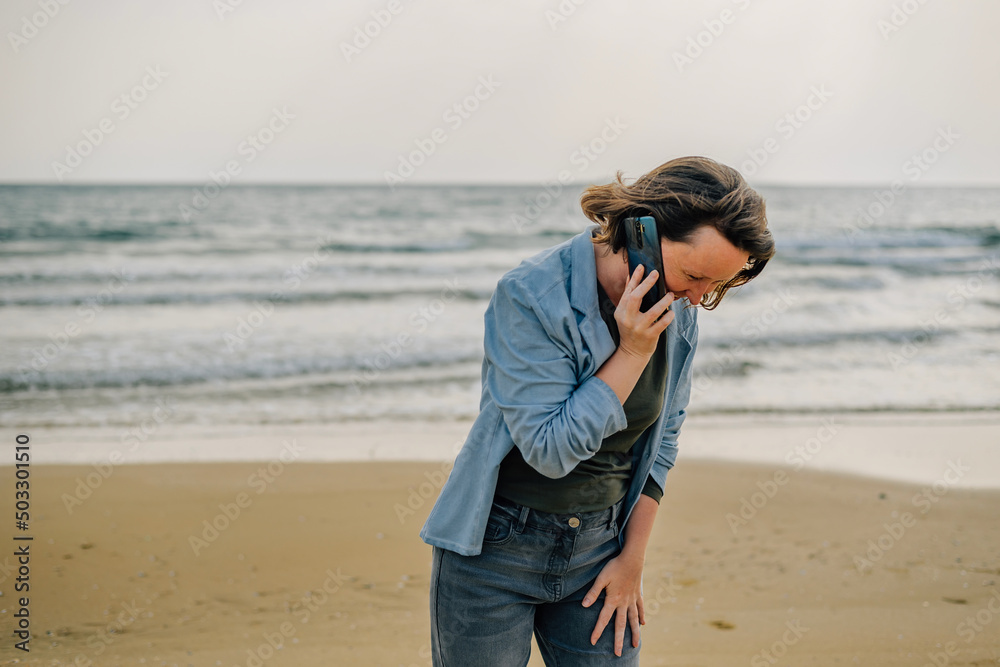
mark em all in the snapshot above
pixel 574 522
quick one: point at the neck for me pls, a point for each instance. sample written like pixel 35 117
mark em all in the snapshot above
pixel 612 271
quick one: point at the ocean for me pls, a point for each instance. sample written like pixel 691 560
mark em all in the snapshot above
pixel 329 304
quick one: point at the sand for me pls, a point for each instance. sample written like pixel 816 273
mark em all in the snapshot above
pixel 748 564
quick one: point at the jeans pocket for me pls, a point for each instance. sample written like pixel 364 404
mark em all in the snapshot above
pixel 500 527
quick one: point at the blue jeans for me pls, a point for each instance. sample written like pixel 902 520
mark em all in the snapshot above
pixel 532 575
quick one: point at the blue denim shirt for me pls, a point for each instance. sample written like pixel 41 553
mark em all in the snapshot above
pixel 544 341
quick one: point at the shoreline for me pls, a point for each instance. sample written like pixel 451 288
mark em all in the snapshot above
pixel 905 447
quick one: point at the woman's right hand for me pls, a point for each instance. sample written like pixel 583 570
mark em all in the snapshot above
pixel 639 332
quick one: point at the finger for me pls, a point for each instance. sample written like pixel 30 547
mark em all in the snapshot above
pixel 659 325
pixel 665 302
pixel 661 306
pixel 602 622
pixel 594 592
pixel 647 282
pixel 635 293
pixel 636 276
pixel 620 622
pixel 642 610
pixel 633 621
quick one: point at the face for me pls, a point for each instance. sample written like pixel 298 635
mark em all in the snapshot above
pixel 694 268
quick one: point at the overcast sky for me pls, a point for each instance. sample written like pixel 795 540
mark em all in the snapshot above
pixel 792 92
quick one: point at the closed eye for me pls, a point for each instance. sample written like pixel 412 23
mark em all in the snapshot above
pixel 717 282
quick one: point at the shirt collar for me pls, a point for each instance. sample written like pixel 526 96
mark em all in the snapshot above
pixel 583 277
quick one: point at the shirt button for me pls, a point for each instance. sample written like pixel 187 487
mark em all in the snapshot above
pixel 574 522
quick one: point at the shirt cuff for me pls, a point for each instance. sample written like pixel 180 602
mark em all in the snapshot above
pixel 652 489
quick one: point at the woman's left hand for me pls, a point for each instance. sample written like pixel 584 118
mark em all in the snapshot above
pixel 621 579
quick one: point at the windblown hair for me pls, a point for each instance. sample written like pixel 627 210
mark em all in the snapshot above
pixel 683 195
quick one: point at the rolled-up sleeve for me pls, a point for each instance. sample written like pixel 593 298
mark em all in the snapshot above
pixel 554 420
pixel 667 453
pixel 651 489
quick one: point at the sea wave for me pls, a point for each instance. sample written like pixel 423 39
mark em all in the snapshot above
pixel 354 370
pixel 278 296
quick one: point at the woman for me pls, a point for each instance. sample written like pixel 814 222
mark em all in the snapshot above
pixel 543 523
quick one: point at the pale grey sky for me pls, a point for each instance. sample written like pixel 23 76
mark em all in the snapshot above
pixel 843 92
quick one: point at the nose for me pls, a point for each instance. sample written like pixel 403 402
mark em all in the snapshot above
pixel 697 293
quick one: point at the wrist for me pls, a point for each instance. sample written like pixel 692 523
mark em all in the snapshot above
pixel 634 554
pixel 633 354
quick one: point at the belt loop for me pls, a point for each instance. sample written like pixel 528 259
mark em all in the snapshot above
pixel 522 519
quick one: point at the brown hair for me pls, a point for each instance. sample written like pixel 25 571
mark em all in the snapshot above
pixel 683 195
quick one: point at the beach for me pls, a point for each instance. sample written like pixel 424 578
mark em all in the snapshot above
pixel 254 272
pixel 238 425
pixel 218 563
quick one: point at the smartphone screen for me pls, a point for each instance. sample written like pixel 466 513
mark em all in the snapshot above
pixel 643 247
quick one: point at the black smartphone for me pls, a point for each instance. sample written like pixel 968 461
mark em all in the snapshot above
pixel 643 247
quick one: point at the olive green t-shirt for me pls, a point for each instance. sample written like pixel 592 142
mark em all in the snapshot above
pixel 602 480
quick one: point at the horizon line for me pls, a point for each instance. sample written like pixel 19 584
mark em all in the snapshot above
pixel 445 184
